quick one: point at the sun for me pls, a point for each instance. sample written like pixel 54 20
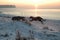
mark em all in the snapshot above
pixel 36 1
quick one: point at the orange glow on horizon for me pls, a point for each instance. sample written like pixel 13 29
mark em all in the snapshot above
pixel 30 3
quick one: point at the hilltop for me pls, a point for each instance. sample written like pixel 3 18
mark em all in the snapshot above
pixel 7 6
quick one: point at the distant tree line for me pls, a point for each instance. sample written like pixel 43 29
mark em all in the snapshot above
pixel 7 6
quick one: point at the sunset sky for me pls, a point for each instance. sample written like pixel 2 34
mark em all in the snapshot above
pixel 54 4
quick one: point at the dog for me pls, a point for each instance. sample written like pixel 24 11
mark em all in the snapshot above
pixel 18 18
pixel 37 19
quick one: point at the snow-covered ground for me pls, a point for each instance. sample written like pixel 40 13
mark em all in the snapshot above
pixel 40 32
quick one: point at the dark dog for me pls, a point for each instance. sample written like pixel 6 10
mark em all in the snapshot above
pixel 18 18
pixel 37 19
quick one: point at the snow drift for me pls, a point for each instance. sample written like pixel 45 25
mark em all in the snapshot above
pixel 47 31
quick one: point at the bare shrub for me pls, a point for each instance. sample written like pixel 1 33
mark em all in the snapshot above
pixel 31 35
pixel 18 36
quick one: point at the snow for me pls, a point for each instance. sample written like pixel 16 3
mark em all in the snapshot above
pixel 7 26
